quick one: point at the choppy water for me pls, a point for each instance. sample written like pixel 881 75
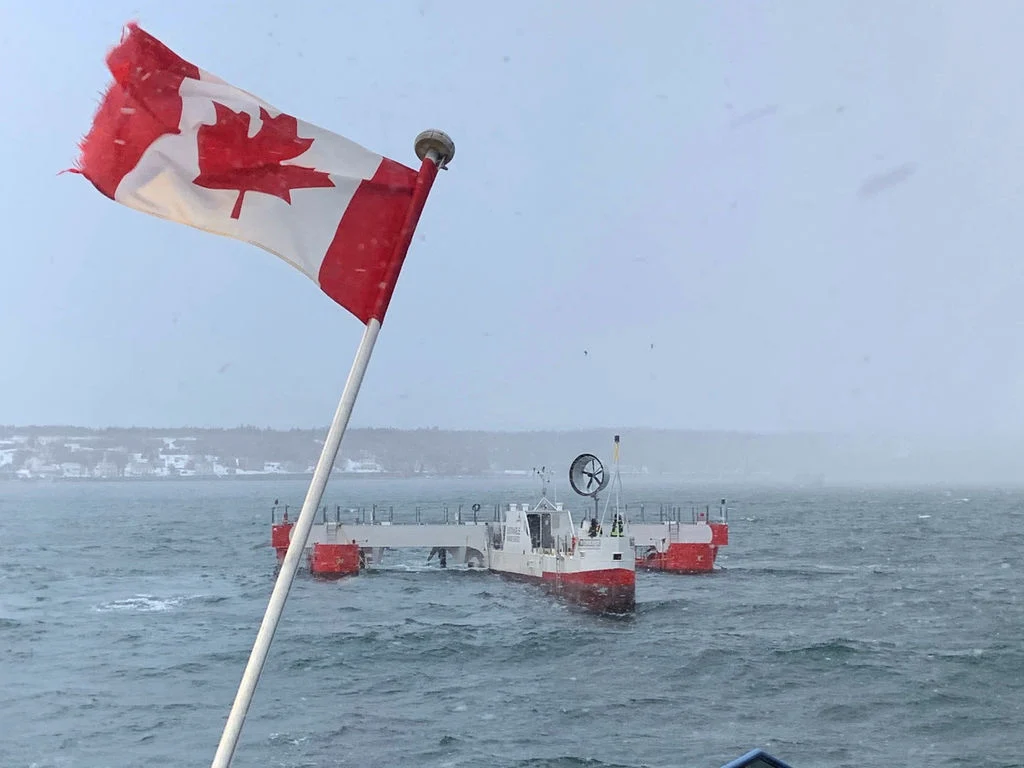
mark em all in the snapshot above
pixel 845 629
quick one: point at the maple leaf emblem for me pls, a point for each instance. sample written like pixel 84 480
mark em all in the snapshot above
pixel 230 159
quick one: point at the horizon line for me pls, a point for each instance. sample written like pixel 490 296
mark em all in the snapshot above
pixel 621 430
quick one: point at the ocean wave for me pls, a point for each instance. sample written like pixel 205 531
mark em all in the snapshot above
pixel 569 761
pixel 836 648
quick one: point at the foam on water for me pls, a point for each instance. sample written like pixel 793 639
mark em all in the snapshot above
pixel 146 603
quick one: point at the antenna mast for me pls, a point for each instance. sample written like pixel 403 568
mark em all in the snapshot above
pixel 545 480
pixel 617 479
pixel 615 482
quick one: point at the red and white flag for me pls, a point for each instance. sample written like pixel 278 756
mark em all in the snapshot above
pixel 174 141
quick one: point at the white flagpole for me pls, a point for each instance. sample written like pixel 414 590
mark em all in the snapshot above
pixel 435 149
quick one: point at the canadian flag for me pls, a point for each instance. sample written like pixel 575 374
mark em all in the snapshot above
pixel 174 141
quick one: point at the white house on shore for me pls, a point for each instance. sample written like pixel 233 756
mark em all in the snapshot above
pixel 365 466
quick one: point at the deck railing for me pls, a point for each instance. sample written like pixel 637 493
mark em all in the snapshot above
pixel 465 513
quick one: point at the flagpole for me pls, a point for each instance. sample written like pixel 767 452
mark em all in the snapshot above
pixel 435 150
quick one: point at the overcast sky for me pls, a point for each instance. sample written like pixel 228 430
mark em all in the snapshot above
pixel 740 215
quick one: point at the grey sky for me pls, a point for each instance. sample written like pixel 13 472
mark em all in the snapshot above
pixel 811 210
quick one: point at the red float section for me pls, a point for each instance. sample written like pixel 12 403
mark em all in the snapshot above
pixel 719 534
pixel 280 535
pixel 334 560
pixel 682 558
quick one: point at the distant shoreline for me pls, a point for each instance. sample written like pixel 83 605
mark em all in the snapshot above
pixel 727 458
pixel 713 486
pixel 213 478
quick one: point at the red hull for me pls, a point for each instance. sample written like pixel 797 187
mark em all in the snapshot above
pixel 682 558
pixel 607 591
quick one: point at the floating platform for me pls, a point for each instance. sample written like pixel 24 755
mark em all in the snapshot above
pixel 540 544
pixel 577 559
pixel 684 539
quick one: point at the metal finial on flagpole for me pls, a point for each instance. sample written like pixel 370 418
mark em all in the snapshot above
pixel 435 149
pixel 438 141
